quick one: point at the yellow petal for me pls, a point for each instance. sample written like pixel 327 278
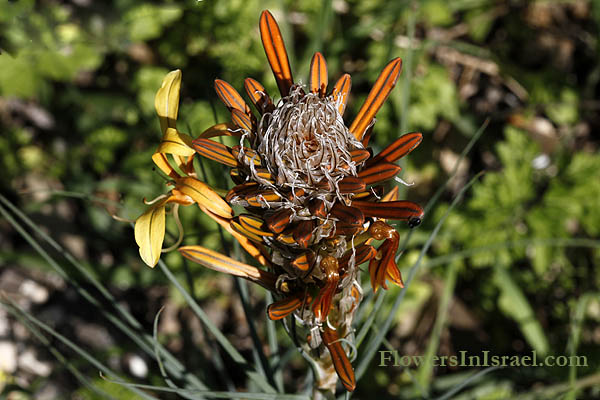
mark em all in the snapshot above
pixel 166 101
pixel 180 198
pixel 150 233
pixel 204 196
pixel 175 142
pixel 219 262
pixel 160 159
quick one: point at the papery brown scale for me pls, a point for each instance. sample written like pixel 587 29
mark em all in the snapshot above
pixel 279 220
pixel 303 232
pixel 304 261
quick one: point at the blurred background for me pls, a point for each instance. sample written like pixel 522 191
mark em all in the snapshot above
pixel 507 87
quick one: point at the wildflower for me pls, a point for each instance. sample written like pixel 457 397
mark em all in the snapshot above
pixel 312 191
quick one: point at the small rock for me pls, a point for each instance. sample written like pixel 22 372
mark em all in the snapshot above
pixel 34 291
pixel 30 363
pixel 8 358
pixel 49 391
pixel 541 162
pixel 4 323
pixel 137 366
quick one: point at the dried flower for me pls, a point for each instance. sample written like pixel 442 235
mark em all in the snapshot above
pixel 312 191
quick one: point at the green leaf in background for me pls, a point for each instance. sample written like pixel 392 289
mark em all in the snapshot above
pixel 514 305
pixel 19 76
pixel 565 110
pixel 433 96
pixel 147 21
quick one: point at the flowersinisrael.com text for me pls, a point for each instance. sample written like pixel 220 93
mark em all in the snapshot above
pixel 391 358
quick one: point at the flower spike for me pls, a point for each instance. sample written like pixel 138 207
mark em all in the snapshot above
pixel 312 192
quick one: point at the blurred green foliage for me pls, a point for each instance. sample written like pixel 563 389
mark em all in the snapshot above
pixel 77 86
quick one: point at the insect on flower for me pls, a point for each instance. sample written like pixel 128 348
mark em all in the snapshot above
pixel 311 188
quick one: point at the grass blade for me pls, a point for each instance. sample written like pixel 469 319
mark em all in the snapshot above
pixel 426 370
pixel 132 328
pixel 15 309
pixel 57 354
pixel 274 349
pixel 223 341
pixel 260 358
pixel 513 303
pixel 576 325
pixel 215 395
pixel 466 382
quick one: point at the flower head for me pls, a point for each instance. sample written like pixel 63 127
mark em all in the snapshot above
pixel 311 189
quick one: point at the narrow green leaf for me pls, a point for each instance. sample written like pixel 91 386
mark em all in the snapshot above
pixel 81 352
pixel 514 304
pixel 223 341
pixel 125 321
